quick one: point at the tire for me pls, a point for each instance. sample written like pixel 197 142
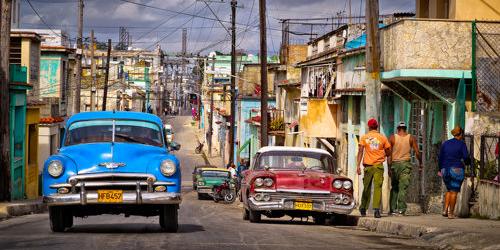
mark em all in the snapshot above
pixel 319 220
pixel 169 218
pixel 57 219
pixel 68 218
pixel 200 196
pixel 230 196
pixel 246 215
pixel 254 216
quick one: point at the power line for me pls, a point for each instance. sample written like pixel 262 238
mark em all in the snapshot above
pixel 41 19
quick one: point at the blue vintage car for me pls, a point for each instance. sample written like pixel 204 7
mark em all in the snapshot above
pixel 113 163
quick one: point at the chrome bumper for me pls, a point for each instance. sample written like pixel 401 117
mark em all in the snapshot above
pixel 129 197
pixel 204 190
pixel 288 204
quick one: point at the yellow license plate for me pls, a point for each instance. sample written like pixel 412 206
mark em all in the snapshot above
pixel 110 196
pixel 303 205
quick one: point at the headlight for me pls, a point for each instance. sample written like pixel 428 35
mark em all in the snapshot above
pixel 55 168
pixel 201 183
pixel 167 168
pixel 347 185
pixel 259 182
pixel 337 184
pixel 268 182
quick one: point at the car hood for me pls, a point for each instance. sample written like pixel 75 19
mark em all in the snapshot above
pixel 210 181
pixel 303 180
pixel 133 158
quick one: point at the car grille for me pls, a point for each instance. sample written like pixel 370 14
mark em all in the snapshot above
pixel 300 196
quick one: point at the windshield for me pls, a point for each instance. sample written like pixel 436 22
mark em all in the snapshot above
pixel 220 174
pixel 293 161
pixel 124 131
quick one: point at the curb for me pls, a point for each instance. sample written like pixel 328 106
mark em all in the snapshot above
pixel 440 238
pixel 17 209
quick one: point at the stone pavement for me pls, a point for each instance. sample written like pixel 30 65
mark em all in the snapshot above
pixel 215 159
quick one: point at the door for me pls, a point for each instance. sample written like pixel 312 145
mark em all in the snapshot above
pixel 18 120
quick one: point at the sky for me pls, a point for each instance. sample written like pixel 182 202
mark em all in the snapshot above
pixel 163 22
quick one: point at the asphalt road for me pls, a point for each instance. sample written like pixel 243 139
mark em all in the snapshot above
pixel 203 225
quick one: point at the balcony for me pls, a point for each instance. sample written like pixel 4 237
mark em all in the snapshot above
pixel 422 46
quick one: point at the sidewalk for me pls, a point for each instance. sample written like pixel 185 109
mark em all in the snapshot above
pixel 214 160
pixel 439 231
pixel 18 208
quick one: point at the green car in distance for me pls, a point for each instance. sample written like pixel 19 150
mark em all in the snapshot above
pixel 206 178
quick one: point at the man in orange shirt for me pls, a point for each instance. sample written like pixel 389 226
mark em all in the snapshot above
pixel 373 149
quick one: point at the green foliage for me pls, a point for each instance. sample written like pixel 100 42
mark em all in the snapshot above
pixel 277 124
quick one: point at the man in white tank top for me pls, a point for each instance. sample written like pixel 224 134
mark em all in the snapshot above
pixel 402 143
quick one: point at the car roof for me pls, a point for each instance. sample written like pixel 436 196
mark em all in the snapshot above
pixel 292 149
pixel 215 169
pixel 98 115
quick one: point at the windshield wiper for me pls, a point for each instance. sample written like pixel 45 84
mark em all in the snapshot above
pixel 128 138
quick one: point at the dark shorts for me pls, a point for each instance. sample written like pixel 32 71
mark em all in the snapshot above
pixel 453 178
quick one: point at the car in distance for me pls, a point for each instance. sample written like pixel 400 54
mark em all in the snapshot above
pixel 113 163
pixel 206 178
pixel 298 182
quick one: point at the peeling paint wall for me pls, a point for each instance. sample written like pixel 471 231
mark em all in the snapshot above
pixel 426 44
pixel 320 120
pixel 250 79
pixel 50 76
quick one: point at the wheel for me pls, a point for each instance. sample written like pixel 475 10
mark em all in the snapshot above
pixel 254 216
pixel 230 196
pixel 57 219
pixel 245 214
pixel 201 196
pixel 319 220
pixel 68 218
pixel 169 219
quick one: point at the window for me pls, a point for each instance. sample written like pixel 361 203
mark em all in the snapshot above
pixel 289 160
pixel 314 48
pixel 327 43
pixel 356 110
pixel 344 108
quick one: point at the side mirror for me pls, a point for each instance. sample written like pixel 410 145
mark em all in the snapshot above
pixel 175 146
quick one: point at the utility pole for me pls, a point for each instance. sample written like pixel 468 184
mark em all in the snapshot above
pixel 263 74
pixel 5 160
pixel 372 60
pixel 106 77
pixel 79 53
pixel 233 82
pixel 211 115
pixel 92 72
pixel 350 14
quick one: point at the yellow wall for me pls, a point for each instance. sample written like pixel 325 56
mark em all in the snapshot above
pixel 31 165
pixel 320 120
pixel 459 9
pixel 475 9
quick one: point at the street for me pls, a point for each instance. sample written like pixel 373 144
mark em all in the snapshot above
pixel 203 225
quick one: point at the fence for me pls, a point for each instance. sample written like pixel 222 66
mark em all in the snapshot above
pixel 486 66
pixel 489 167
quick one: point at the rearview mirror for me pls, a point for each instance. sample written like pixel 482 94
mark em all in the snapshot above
pixel 175 146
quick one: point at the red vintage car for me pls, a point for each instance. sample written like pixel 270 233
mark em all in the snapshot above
pixel 298 182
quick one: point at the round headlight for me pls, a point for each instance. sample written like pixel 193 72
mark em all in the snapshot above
pixel 268 182
pixel 55 168
pixel 347 185
pixel 167 168
pixel 337 184
pixel 259 182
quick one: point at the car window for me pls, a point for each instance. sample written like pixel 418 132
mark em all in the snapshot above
pixel 212 173
pixel 124 131
pixel 293 161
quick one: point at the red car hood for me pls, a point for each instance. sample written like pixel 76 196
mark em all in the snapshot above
pixel 303 180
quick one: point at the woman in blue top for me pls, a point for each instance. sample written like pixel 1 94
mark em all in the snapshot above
pixel 452 160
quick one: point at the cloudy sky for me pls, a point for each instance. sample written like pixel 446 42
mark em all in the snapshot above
pixel 163 20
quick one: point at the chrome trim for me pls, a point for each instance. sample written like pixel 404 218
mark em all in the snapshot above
pixel 129 197
pixel 112 183
pixel 104 175
pixel 303 191
pixel 261 190
pixel 287 204
pixel 111 165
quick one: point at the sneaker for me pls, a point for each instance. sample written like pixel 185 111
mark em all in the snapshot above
pixel 376 213
pixel 401 213
pixel 362 212
pixel 392 214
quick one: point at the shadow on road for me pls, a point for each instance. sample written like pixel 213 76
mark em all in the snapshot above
pixel 130 228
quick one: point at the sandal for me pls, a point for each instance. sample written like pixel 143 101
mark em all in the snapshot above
pixel 451 216
pixel 445 214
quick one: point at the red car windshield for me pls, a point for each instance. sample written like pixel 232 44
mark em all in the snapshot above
pixel 293 161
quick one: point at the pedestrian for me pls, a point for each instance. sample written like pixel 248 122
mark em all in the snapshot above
pixel 232 170
pixel 373 150
pixel 401 143
pixel 452 160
